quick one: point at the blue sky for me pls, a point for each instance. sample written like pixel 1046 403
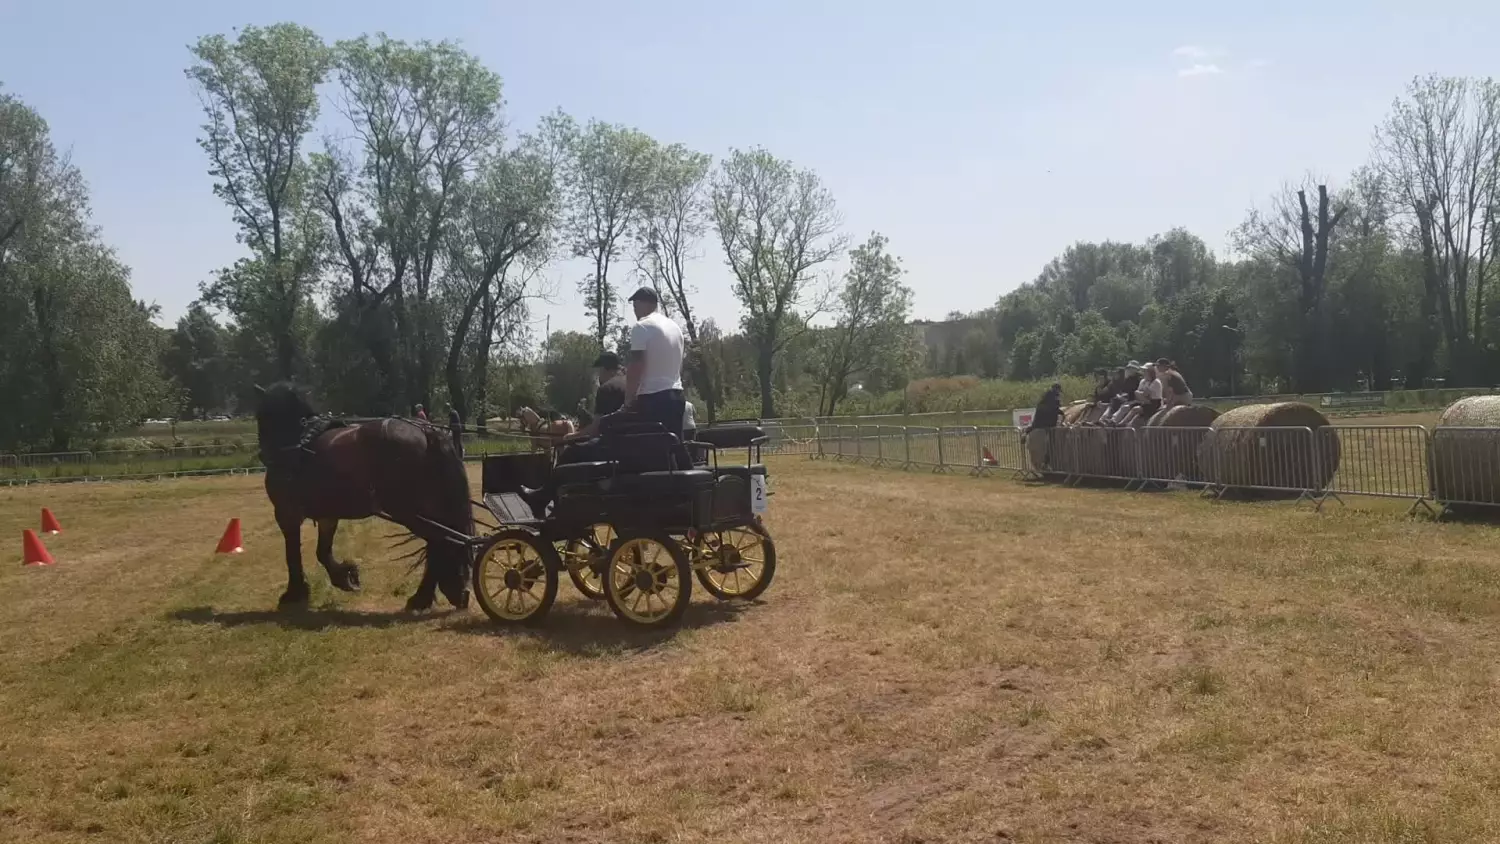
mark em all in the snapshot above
pixel 981 138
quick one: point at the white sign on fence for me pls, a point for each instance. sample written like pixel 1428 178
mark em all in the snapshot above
pixel 1022 418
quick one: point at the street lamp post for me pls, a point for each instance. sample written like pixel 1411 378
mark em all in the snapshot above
pixel 1234 355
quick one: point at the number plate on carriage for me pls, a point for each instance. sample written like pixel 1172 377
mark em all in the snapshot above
pixel 759 502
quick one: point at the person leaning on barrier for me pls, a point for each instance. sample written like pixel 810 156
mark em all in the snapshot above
pixel 1047 415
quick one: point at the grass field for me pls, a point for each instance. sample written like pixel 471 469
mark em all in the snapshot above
pixel 940 659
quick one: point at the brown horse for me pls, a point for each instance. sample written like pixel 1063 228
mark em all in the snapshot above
pixel 401 470
pixel 544 434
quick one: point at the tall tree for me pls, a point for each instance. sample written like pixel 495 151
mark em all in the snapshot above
pixel 778 226
pixel 870 333
pixel 259 93
pixel 510 211
pixel 1440 151
pixel 423 115
pixel 1294 236
pixel 609 175
pixel 80 357
pixel 674 221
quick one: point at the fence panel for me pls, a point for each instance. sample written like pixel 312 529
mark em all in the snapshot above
pixel 1001 448
pixel 1465 467
pixel 795 438
pixel 1383 461
pixel 1171 455
pixel 924 447
pixel 1102 453
pixel 1270 460
pixel 892 446
pixel 960 446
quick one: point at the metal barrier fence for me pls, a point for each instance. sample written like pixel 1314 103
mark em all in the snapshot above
pixel 1452 468
pixel 1448 467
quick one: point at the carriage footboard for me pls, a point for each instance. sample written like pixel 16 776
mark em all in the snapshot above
pixel 509 509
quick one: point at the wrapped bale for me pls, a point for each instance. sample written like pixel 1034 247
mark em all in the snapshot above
pixel 1466 463
pixel 1173 456
pixel 1249 446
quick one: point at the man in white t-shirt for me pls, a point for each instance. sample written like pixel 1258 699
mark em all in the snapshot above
pixel 653 371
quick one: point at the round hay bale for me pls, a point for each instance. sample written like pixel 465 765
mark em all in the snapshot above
pixel 1258 445
pixel 1074 413
pixel 1173 455
pixel 1466 463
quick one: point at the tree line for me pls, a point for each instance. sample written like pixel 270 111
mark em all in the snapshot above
pixel 1381 282
pixel 396 231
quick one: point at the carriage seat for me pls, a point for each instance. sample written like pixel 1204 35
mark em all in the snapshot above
pixel 567 474
pixel 662 484
pixel 731 436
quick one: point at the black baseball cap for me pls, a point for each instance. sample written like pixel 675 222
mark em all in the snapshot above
pixel 645 294
pixel 607 360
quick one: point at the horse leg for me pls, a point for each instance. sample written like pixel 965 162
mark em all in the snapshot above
pixel 343 576
pixel 290 522
pixel 426 594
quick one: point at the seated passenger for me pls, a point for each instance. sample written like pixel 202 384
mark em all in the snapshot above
pixel 1174 388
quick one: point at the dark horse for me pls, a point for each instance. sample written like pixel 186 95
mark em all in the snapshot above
pixel 401 470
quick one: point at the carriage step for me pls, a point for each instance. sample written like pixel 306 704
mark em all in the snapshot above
pixel 509 508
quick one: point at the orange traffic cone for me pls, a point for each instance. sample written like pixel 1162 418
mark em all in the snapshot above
pixel 230 543
pixel 989 459
pixel 33 552
pixel 49 523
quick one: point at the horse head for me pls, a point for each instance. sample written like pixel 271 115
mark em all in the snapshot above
pixel 280 413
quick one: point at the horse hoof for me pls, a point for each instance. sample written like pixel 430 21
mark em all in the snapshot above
pixel 416 604
pixel 293 598
pixel 462 601
pixel 346 577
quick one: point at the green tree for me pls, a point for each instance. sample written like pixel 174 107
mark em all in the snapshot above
pixel 570 373
pixel 259 94
pixel 424 116
pixel 674 221
pixel 778 225
pixel 80 357
pixel 870 333
pixel 197 359
pixel 610 169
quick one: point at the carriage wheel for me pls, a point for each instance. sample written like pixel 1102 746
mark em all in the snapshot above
pixel 586 558
pixel 738 564
pixel 647 580
pixel 515 577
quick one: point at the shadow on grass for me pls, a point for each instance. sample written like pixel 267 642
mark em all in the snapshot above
pixel 576 629
pixel 301 618
pixel 591 630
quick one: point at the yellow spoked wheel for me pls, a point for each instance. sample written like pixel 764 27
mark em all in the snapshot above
pixel 737 564
pixel 647 580
pixel 586 558
pixel 515 577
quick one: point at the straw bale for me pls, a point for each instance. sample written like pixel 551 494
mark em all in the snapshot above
pixel 1175 455
pixel 1257 445
pixel 1466 464
pixel 1078 412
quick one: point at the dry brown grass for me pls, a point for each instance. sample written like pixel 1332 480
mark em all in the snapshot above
pixel 940 659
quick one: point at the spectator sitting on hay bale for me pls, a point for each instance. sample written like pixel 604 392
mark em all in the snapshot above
pixel 1128 382
pixel 1147 399
pixel 1174 388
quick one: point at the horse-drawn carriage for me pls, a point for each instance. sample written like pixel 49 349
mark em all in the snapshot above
pixel 632 529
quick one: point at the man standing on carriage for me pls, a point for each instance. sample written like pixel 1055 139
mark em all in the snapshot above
pixel 653 372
